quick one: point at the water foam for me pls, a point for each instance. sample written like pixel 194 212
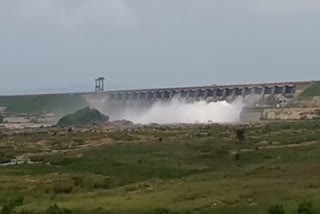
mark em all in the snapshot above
pixel 178 111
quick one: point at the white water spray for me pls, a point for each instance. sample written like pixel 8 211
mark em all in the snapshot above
pixel 178 111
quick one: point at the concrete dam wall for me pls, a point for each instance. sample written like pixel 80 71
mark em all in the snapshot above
pixel 113 103
pixel 138 102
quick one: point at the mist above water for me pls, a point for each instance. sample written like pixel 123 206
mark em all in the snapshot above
pixel 178 111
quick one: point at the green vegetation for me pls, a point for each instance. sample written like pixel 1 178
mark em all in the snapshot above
pixel 61 104
pixel 305 208
pixel 55 209
pixel 313 90
pixel 191 169
pixel 82 117
pixel 276 209
pixel 11 205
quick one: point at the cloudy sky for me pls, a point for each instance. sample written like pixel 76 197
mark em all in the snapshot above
pixel 62 45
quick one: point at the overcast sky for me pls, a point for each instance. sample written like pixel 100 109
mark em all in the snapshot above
pixel 62 45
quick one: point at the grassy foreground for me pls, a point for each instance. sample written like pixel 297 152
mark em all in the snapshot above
pixel 160 170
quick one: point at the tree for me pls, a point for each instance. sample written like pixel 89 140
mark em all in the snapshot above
pixel 1 119
pixel 268 129
pixel 240 134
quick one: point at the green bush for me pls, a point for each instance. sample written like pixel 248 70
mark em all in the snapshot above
pixel 305 208
pixel 11 205
pixel 36 158
pixel 26 212
pixel 240 134
pixel 78 180
pixel 56 159
pixel 161 211
pixel 317 112
pixel 83 117
pixel 100 210
pixel 4 159
pixel 57 210
pixel 276 209
pixel 62 188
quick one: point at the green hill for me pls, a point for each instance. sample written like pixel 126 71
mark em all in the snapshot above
pixel 83 117
pixel 312 91
pixel 62 103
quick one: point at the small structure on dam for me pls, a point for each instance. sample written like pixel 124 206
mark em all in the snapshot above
pixel 99 84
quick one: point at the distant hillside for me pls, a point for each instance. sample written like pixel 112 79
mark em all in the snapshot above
pixel 310 97
pixel 312 91
pixel 62 103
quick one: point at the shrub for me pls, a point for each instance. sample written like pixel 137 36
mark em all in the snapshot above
pixel 83 117
pixel 26 212
pixel 11 205
pixel 317 112
pixel 305 208
pixel 161 211
pixel 57 159
pixel 62 188
pixel 276 209
pixel 36 158
pixel 78 180
pixel 237 156
pixel 100 210
pixel 5 159
pixel 240 134
pixel 222 151
pixel 57 210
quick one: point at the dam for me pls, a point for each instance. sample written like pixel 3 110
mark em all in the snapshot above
pixel 253 95
pixel 114 102
pixel 269 94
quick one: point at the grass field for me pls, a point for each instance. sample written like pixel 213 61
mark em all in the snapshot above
pixel 159 170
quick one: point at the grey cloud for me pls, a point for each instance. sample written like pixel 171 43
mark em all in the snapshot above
pixel 283 7
pixel 63 18
pixel 65 44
